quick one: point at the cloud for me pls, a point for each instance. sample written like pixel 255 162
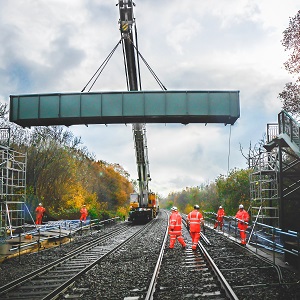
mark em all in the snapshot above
pixel 56 46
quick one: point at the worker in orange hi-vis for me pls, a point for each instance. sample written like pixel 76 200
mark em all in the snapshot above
pixel 220 218
pixel 84 213
pixel 194 221
pixel 175 228
pixel 243 218
pixel 39 211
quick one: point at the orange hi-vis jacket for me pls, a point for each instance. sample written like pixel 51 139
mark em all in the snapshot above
pixel 84 211
pixel 175 224
pixel 195 218
pixel 40 211
pixel 220 213
pixel 242 216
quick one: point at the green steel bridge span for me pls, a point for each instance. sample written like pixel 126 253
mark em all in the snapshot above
pixel 125 107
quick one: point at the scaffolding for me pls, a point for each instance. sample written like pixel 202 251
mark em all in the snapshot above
pixel 12 186
pixel 275 181
pixel 264 188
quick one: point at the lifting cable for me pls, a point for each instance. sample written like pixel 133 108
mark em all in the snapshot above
pixel 150 69
pixel 228 150
pixel 101 68
pixel 103 65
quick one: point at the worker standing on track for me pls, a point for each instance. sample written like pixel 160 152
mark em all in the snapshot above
pixel 194 220
pixel 175 228
pixel 243 218
pixel 220 218
pixel 84 213
pixel 39 211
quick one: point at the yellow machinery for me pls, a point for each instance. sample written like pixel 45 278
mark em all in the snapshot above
pixel 143 213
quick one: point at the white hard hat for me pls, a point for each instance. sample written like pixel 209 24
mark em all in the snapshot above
pixel 196 206
pixel 174 208
pixel 40 204
pixel 241 206
pixel 220 207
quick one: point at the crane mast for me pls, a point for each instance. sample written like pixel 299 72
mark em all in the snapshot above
pixel 127 21
pixel 126 27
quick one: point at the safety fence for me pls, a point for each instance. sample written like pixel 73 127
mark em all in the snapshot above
pixel 262 236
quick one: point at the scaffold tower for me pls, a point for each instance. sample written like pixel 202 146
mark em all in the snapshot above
pixel 264 188
pixel 275 181
pixel 12 186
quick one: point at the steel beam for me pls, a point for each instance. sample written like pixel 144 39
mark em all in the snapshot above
pixel 125 107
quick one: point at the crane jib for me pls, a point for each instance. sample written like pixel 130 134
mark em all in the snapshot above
pixel 139 130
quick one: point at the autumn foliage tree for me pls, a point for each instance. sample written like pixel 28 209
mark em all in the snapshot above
pixel 228 191
pixel 205 196
pixel 63 175
pixel 234 189
pixel 290 96
pixel 66 177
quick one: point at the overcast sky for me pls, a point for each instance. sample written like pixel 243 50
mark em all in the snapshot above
pixel 50 46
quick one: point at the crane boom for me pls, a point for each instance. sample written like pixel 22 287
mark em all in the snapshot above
pixel 144 199
pixel 126 28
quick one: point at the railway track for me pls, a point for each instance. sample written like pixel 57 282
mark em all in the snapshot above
pixel 251 276
pixel 191 274
pixel 143 267
pixel 154 279
pixel 51 280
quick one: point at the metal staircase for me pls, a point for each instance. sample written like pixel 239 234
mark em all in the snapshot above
pixel 275 181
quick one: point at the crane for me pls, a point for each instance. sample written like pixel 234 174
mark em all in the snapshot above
pixel 143 204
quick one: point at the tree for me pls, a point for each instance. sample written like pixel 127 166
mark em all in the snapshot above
pixel 206 196
pixel 234 189
pixel 64 175
pixel 290 96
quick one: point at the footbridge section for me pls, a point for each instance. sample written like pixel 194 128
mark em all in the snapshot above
pixel 125 107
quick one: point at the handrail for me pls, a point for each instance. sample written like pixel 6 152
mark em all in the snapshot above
pixel 269 236
pixel 272 131
pixel 289 126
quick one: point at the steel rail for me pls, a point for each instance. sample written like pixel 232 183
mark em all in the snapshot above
pixel 10 286
pixel 272 265
pixel 269 264
pixel 58 291
pixel 209 262
pixel 152 284
pixel 265 260
pixel 224 284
